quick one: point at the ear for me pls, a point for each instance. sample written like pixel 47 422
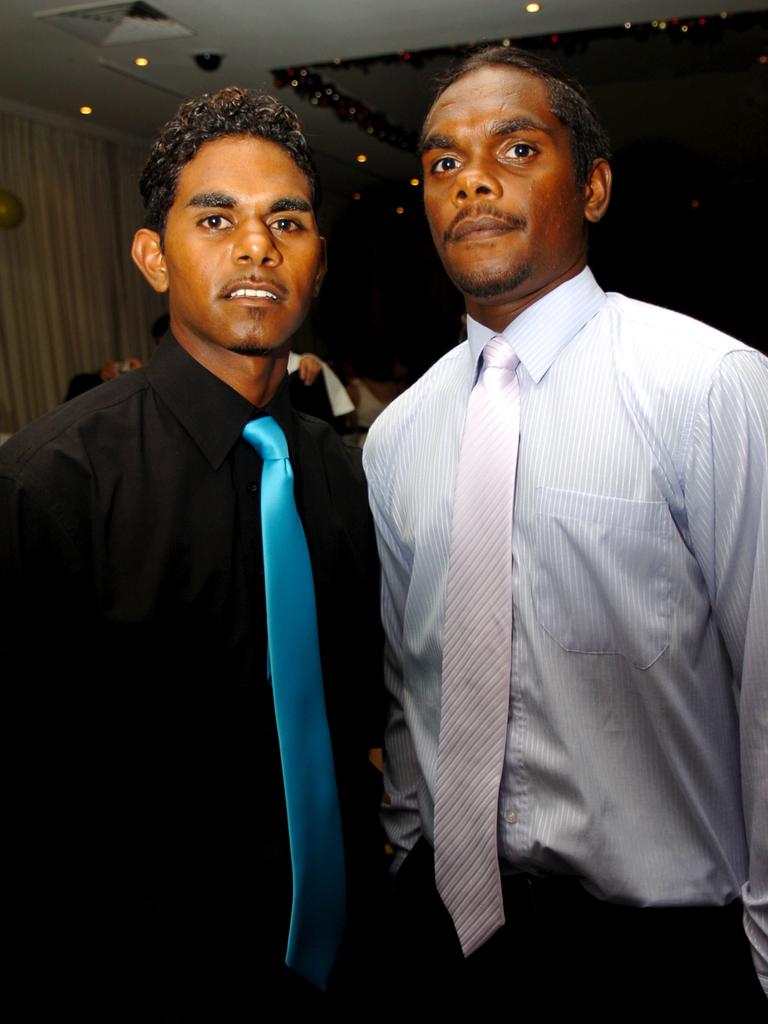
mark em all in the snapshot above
pixel 597 191
pixel 322 268
pixel 147 253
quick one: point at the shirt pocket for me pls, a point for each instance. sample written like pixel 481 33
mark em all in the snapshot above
pixel 601 582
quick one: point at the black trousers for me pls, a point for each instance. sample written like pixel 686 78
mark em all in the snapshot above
pixel 561 950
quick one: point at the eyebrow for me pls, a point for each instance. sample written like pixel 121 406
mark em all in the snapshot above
pixel 506 127
pixel 436 142
pixel 291 203
pixel 224 201
pixel 217 199
pixel 518 124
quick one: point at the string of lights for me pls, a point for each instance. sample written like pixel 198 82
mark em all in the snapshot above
pixel 309 83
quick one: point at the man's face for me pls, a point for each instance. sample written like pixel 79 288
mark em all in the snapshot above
pixel 241 250
pixel 500 192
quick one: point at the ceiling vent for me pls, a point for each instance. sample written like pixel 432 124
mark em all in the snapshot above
pixel 110 24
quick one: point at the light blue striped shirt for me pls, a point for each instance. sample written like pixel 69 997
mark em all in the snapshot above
pixel 636 748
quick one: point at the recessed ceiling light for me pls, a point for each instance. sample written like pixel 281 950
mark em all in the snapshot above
pixel 361 158
pixel 533 8
pixel 355 195
pixel 399 209
pixel 141 62
pixel 86 110
pixel 415 181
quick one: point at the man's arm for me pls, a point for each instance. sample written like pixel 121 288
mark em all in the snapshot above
pixel 309 368
pixel 46 741
pixel 401 816
pixel 39 567
pixel 727 501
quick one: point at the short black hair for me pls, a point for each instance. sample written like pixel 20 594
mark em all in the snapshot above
pixel 567 100
pixel 228 112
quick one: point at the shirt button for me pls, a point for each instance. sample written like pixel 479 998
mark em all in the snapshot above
pixel 253 487
pixel 511 817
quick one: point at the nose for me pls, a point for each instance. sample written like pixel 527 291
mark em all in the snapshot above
pixel 475 180
pixel 255 244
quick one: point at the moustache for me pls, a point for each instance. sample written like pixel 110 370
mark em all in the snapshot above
pixel 510 220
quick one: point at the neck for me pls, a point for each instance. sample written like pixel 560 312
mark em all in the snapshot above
pixel 500 315
pixel 255 377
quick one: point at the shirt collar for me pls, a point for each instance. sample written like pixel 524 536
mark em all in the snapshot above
pixel 212 413
pixel 543 330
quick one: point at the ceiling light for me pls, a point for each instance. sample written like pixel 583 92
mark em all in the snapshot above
pixel 415 181
pixel 86 110
pixel 399 209
pixel 533 8
pixel 141 62
pixel 361 158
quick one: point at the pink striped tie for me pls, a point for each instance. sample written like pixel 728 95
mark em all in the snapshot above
pixel 477 654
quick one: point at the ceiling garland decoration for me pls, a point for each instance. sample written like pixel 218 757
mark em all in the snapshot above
pixel 310 84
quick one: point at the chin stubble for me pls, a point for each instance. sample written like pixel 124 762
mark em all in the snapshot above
pixel 486 286
pixel 253 349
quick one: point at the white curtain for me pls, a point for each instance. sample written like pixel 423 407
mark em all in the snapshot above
pixel 71 299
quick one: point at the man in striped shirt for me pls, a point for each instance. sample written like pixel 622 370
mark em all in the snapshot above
pixel 631 820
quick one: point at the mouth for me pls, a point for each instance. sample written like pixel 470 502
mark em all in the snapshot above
pixel 254 292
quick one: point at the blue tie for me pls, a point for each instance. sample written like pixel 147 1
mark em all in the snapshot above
pixel 314 821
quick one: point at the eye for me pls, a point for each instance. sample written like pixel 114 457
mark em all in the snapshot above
pixel 520 150
pixel 286 225
pixel 214 222
pixel 444 165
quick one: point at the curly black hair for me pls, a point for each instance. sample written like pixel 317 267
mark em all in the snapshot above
pixel 230 111
pixel 567 100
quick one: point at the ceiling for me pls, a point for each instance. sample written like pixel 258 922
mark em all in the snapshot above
pixel 48 72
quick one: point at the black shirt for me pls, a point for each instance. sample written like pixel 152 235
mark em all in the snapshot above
pixel 150 803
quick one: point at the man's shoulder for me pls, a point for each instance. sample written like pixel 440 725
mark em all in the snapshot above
pixel 440 384
pixel 65 430
pixel 316 439
pixel 668 356
pixel 659 327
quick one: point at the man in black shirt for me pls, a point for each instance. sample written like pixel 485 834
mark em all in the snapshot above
pixel 151 871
